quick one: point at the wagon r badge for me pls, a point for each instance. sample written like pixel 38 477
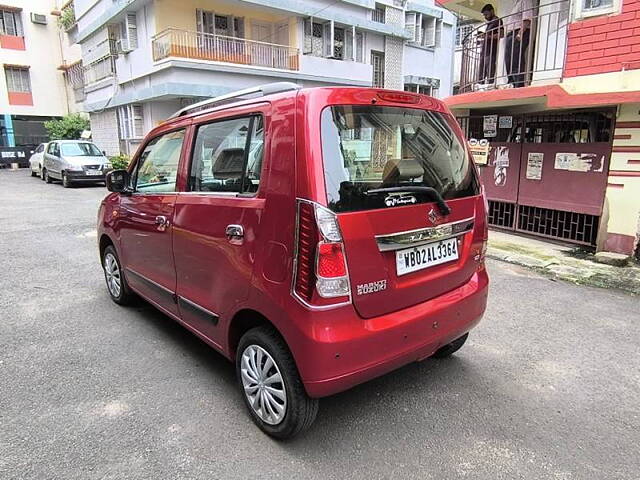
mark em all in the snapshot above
pixel 399 199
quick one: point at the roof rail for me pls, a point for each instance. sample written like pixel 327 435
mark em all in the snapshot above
pixel 267 89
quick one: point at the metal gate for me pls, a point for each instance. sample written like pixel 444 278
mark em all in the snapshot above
pixel 546 174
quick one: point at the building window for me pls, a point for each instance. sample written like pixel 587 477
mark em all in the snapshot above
pixel 377 61
pixel 313 38
pixel 592 8
pixel 422 89
pixel 11 23
pixel 219 24
pixel 462 31
pixel 129 33
pixel 131 122
pixel 18 80
pixel 340 42
pixel 423 30
pixel 379 14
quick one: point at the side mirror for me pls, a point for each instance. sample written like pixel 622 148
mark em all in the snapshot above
pixel 118 181
pixel 104 153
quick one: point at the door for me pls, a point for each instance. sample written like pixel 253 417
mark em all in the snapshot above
pixel 547 175
pixel 407 200
pixel 261 31
pixel 216 221
pixel 261 53
pixel 146 221
pixel 52 159
pixel 281 36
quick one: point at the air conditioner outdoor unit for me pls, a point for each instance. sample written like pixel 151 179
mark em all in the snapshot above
pixel 38 18
pixel 122 46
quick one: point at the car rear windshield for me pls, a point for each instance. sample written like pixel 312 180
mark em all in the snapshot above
pixel 80 150
pixel 368 148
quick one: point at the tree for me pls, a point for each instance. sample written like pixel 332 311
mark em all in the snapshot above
pixel 69 127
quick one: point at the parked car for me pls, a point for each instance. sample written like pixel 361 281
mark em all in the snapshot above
pixel 317 237
pixel 36 159
pixel 74 161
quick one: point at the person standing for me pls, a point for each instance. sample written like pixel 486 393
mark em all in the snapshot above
pixel 489 45
pixel 518 27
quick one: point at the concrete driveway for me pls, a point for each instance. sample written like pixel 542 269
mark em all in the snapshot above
pixel 548 386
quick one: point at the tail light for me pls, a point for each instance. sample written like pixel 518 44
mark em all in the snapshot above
pixel 482 251
pixel 320 264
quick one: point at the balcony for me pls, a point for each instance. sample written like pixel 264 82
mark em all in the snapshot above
pixel 527 48
pixel 219 48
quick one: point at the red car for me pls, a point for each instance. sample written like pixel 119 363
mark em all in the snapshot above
pixel 316 237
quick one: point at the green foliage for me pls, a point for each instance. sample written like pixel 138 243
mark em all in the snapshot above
pixel 67 18
pixel 69 127
pixel 119 162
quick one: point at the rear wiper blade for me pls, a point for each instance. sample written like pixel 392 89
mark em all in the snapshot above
pixel 430 191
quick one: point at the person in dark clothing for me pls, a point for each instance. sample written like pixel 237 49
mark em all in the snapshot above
pixel 489 45
pixel 517 41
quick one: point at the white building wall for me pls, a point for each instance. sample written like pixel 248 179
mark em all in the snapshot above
pixel 104 130
pixel 43 54
pixel 71 54
pixel 433 62
pixel 160 87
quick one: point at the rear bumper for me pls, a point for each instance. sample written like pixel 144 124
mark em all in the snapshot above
pixel 356 350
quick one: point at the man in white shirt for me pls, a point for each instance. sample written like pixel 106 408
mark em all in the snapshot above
pixel 518 27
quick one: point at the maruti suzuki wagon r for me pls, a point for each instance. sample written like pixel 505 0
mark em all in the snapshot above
pixel 316 237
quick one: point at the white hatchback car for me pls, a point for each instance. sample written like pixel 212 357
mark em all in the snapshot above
pixel 74 161
pixel 36 160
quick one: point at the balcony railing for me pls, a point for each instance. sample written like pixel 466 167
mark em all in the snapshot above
pixel 99 70
pixel 219 48
pixel 522 48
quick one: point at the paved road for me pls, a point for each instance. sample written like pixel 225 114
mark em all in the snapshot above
pixel 548 386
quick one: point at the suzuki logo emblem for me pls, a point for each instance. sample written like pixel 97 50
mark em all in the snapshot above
pixel 433 216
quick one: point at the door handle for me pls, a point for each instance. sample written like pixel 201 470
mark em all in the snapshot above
pixel 235 234
pixel 162 223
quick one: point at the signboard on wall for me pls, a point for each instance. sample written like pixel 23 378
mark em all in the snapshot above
pixel 505 122
pixel 19 155
pixel 579 162
pixel 479 151
pixel 490 126
pixel 534 165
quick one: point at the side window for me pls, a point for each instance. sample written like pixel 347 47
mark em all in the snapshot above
pixel 157 167
pixel 228 156
pixel 51 149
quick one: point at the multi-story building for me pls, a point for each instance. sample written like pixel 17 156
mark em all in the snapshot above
pixel 554 89
pixel 145 59
pixel 31 54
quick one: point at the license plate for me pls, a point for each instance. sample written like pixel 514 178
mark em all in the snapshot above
pixel 425 256
pixel 93 172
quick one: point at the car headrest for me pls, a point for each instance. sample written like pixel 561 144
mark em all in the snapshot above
pixel 401 170
pixel 228 164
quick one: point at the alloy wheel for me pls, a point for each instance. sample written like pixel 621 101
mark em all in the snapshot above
pixel 263 385
pixel 112 275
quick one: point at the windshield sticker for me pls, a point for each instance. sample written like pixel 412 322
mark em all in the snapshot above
pixel 394 200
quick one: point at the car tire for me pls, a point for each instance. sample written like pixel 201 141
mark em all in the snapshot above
pixel 41 174
pixel 47 178
pixel 66 183
pixel 117 285
pixel 34 174
pixel 451 348
pixel 265 346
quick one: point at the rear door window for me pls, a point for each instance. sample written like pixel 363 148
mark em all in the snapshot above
pixel 228 156
pixel 367 148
